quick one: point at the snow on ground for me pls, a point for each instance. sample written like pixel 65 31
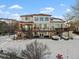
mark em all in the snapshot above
pixel 75 36
pixel 65 47
pixel 5 39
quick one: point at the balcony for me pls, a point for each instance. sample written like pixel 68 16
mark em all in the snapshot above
pixel 27 20
pixel 42 29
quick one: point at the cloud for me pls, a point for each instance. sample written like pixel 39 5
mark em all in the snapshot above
pixel 68 10
pixel 2 6
pixel 62 4
pixel 15 16
pixel 7 14
pixel 4 14
pixel 15 7
pixel 47 10
pixel 1 11
pixel 61 17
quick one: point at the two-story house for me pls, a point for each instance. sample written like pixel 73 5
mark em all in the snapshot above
pixel 40 24
pixel 57 23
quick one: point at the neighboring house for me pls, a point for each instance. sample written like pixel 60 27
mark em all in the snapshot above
pixel 8 21
pixel 11 24
pixel 57 23
pixel 41 24
pixel 3 27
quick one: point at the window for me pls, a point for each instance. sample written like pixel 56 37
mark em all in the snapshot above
pixel 40 25
pixel 41 18
pixel 45 25
pixel 26 18
pixel 46 18
pixel 57 24
pixel 61 25
pixel 36 18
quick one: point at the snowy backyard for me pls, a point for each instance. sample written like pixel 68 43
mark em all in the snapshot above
pixel 68 48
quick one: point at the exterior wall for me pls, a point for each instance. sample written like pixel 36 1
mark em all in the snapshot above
pixel 27 19
pixel 9 21
pixel 42 23
pixel 23 24
pixel 57 25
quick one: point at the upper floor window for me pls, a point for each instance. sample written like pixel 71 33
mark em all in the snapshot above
pixel 36 18
pixel 41 18
pixel 45 25
pixel 40 25
pixel 46 18
pixel 26 18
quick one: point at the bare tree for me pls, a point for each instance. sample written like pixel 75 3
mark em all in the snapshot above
pixel 75 8
pixel 35 50
pixel 74 11
pixel 73 15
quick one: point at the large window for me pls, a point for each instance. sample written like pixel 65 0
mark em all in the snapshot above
pixel 40 25
pixel 25 28
pixel 46 18
pixel 36 18
pixel 26 18
pixel 45 25
pixel 41 18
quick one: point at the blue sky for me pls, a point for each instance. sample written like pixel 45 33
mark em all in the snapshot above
pixel 14 8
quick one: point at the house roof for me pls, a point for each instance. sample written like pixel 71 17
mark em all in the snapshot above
pixel 57 19
pixel 31 15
